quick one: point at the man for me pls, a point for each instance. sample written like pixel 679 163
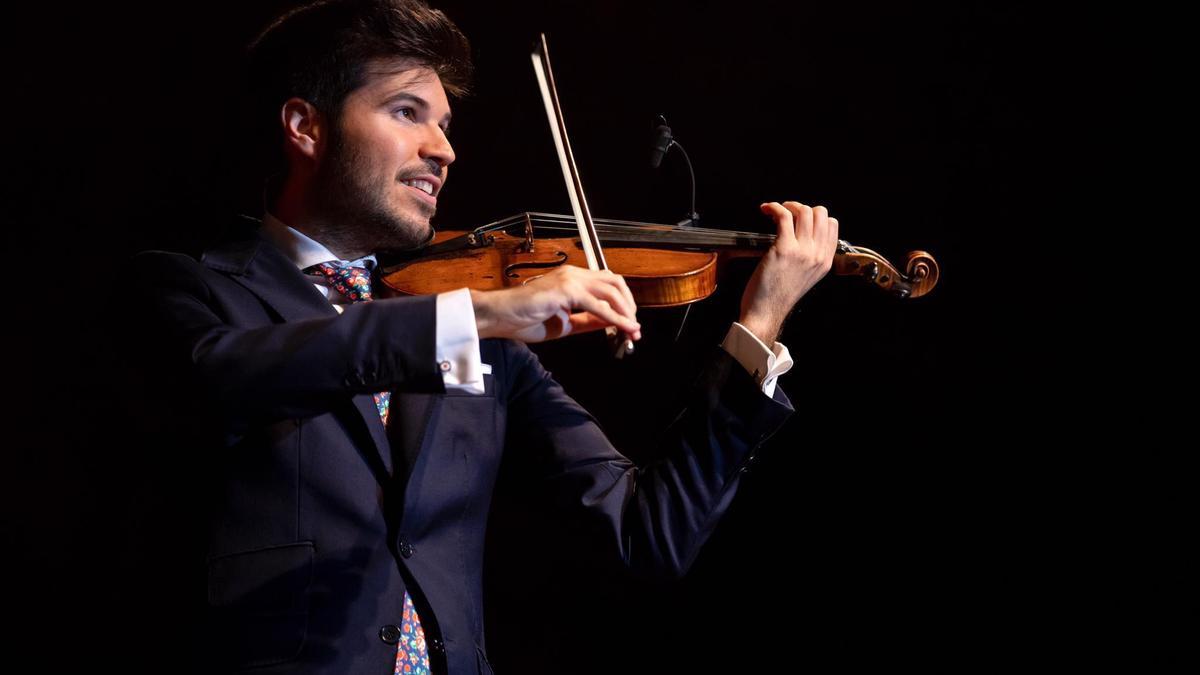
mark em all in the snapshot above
pixel 351 443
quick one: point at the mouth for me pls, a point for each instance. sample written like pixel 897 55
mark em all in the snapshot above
pixel 424 187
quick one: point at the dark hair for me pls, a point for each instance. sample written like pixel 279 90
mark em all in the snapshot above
pixel 319 52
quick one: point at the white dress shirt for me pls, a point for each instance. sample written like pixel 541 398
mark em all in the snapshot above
pixel 456 338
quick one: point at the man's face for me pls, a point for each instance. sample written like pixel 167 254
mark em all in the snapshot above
pixel 387 157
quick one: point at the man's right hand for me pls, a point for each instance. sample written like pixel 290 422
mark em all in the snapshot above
pixel 566 301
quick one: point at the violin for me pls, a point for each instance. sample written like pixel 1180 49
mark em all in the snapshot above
pixel 663 265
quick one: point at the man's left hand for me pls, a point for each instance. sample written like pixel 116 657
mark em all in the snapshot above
pixel 802 254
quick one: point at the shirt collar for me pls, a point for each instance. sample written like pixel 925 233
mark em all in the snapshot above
pixel 302 250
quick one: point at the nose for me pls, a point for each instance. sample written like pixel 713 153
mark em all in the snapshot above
pixel 437 147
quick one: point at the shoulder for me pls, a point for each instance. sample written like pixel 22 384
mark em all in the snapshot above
pixel 232 246
pixel 160 270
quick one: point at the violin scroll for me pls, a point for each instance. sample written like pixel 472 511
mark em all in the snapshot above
pixel 921 271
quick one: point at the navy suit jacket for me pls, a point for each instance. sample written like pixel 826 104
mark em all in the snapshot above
pixel 318 518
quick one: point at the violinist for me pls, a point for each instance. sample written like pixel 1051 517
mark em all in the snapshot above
pixel 351 441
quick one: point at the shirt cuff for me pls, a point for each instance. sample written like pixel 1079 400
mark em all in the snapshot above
pixel 457 342
pixel 765 365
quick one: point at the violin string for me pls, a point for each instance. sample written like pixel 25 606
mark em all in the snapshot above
pixel 553 218
pixel 690 235
pixel 716 237
pixel 682 230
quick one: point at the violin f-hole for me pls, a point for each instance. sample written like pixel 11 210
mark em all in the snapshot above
pixel 510 270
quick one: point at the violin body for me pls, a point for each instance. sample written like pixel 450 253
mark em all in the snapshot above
pixel 656 277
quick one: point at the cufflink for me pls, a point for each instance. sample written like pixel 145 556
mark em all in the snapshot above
pixel 444 366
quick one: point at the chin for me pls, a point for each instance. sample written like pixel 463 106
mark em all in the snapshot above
pixel 422 238
pixel 406 235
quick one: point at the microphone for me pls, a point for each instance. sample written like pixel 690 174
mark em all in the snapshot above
pixel 664 141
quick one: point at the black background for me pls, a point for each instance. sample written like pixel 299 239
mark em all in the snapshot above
pixel 900 517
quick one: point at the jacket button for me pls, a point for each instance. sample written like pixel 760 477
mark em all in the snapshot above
pixel 436 646
pixel 390 634
pixel 749 461
pixel 406 549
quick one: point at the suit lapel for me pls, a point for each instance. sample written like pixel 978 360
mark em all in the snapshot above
pixel 260 267
pixel 264 270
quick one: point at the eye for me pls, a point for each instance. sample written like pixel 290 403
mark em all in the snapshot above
pixel 405 111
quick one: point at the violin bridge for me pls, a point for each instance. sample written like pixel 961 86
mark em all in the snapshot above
pixel 528 246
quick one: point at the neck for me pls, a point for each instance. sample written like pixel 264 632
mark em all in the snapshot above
pixel 295 208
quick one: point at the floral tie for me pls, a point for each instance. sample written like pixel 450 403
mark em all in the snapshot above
pixel 354 283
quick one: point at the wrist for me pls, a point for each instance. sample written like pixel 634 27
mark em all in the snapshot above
pixel 765 331
pixel 483 316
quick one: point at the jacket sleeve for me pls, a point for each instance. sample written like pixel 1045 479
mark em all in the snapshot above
pixel 657 517
pixel 263 373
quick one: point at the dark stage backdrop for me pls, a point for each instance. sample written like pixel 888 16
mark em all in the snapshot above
pixel 885 524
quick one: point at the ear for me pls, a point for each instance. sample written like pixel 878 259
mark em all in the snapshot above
pixel 303 127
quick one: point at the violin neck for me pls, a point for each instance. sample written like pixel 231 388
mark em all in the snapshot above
pixel 618 232
pixel 751 244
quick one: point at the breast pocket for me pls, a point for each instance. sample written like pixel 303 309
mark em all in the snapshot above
pixel 489 388
pixel 258 604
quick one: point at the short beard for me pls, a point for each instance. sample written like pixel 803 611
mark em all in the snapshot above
pixel 355 213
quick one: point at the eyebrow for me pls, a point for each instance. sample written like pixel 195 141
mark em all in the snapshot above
pixel 422 103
